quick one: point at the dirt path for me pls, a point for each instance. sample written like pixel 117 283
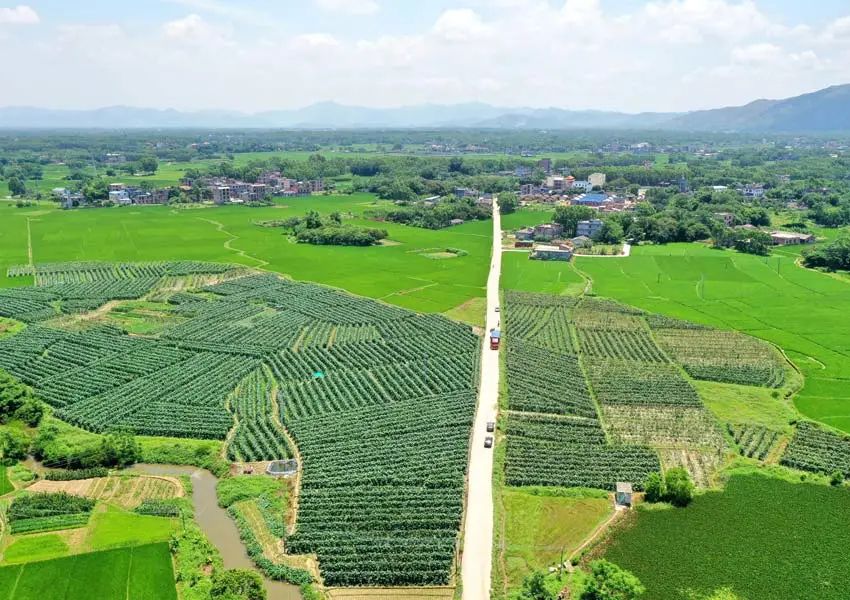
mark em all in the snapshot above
pixel 220 227
pixel 29 242
pixel 477 560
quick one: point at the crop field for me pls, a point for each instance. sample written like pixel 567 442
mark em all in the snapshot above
pixel 800 310
pixel 5 485
pixel 124 491
pixel 754 441
pixel 814 448
pixel 127 573
pixel 568 358
pixel 257 436
pixel 378 400
pixel 554 435
pixel 84 286
pixel 397 273
pixel 765 538
pixel 724 356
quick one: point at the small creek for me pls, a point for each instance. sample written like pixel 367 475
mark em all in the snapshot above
pixel 218 526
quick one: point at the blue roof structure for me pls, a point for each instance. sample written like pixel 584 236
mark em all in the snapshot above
pixel 591 199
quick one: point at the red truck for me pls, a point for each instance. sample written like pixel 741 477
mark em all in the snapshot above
pixel 495 337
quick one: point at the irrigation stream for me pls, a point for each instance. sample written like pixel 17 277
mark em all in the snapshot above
pixel 218 526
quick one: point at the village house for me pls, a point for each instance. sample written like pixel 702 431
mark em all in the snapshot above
pixel 549 252
pixel 789 238
pixel 588 228
pixel 545 164
pixel 597 180
pixel 727 218
pixel 753 190
pixel 525 234
pixel 548 231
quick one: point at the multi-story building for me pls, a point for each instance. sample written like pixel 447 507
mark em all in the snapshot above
pixel 588 228
pixel 548 231
pixel 597 180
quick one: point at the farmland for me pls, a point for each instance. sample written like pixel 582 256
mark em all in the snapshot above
pixel 770 298
pixel 137 572
pixel 398 273
pixel 252 353
pixel 619 408
pixel 763 537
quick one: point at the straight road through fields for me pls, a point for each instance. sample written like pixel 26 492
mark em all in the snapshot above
pixel 478 531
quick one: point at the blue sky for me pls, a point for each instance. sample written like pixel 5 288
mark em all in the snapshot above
pixel 631 55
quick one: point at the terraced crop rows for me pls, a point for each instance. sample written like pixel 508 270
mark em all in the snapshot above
pixel 652 414
pixel 379 400
pixel 724 356
pixel 818 449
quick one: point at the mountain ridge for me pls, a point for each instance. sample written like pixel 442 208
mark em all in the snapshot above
pixel 826 110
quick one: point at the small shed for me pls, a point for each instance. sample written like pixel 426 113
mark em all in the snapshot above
pixel 285 468
pixel 623 494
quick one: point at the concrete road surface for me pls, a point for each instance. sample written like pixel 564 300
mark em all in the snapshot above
pixel 478 532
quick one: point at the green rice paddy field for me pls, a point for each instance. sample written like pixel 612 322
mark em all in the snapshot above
pixel 398 272
pixel 138 573
pixel 802 311
pixel 762 537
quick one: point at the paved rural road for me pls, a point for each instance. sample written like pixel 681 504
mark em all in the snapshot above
pixel 478 533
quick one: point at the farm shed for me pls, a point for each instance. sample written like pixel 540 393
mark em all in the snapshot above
pixel 623 494
pixel 546 252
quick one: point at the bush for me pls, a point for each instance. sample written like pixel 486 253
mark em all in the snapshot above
pixel 238 584
pixel 680 488
pixel 534 587
pixel 654 488
pixel 73 474
pixel 609 582
pixel 837 478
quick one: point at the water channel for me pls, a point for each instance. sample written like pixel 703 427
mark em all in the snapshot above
pixel 217 524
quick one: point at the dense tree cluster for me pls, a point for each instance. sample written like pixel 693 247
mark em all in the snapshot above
pixel 312 228
pixel 438 216
pixel 17 402
pixel 833 256
pixel 675 487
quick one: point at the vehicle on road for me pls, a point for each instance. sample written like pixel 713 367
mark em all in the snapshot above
pixel 488 442
pixel 491 427
pixel 495 337
pixel 497 309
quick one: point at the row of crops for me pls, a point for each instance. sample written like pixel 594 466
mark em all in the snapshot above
pixel 382 490
pixel 554 436
pixel 609 360
pixel 68 288
pixel 724 356
pixel 35 513
pixel 379 401
pixel 256 435
pixel 814 448
pixel 753 441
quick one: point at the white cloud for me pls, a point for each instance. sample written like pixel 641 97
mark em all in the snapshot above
pixel 19 15
pixel 581 12
pixel 839 29
pixel 316 40
pixel 349 7
pixel 192 28
pixel 756 53
pixel 228 11
pixel 661 55
pixel 460 24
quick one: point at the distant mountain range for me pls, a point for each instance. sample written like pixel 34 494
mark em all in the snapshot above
pixel 826 110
